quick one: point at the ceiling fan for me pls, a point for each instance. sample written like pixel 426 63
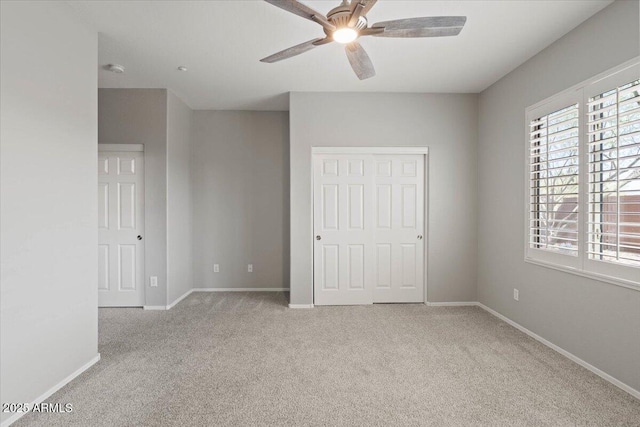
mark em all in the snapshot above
pixel 345 23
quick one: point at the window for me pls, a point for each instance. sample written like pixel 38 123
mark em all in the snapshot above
pixel 554 168
pixel 583 178
pixel 613 137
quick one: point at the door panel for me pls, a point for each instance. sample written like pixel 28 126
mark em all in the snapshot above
pixel 383 265
pixel 103 267
pixel 356 206
pixel 408 265
pixel 126 206
pixel 369 216
pixel 120 222
pixel 343 220
pixel 383 206
pixel 330 205
pixel 103 205
pixel 399 203
pixel 127 267
pixel 331 267
pixel 408 206
pixel 355 266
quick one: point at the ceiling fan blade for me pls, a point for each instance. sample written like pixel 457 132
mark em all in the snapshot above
pixel 359 60
pixel 292 51
pixel 325 40
pixel 371 31
pixel 434 26
pixel 305 11
pixel 355 15
pixel 367 5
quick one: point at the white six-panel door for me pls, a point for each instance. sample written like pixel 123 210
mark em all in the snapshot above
pixel 120 229
pixel 368 228
pixel 343 225
pixel 398 228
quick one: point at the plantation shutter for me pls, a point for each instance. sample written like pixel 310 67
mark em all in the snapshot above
pixel 554 173
pixel 613 138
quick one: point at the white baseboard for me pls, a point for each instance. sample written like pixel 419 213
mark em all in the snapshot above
pixel 300 305
pixel 452 304
pixel 180 298
pixel 13 418
pixel 240 289
pixel 632 391
pixel 154 307
pixel 190 291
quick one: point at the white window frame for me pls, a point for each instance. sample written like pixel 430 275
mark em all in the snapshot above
pixel 617 274
pixel 544 255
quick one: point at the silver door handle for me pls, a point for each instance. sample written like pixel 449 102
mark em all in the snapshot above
pixel 318 237
pixel 419 236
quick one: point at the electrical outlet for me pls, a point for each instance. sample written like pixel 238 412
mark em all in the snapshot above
pixel 516 295
pixel 250 268
pixel 216 268
pixel 153 281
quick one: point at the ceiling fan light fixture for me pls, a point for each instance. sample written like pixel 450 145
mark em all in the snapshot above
pixel 345 35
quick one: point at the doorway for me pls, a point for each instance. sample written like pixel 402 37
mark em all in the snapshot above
pixel 120 226
pixel 369 227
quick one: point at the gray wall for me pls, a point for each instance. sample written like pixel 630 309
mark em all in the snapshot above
pixel 240 186
pixel 139 116
pixel 447 124
pixel 598 322
pixel 48 211
pixel 179 208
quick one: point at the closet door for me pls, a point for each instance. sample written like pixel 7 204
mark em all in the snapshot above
pixel 343 229
pixel 399 233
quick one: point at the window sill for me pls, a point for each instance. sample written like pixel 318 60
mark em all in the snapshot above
pixel 590 275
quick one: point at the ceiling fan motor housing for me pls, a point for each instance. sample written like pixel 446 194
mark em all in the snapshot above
pixel 340 16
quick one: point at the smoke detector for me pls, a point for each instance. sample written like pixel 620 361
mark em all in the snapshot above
pixel 115 68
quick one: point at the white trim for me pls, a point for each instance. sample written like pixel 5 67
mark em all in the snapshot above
pixel 615 274
pixel 586 273
pixel 180 298
pixel 625 387
pixel 15 417
pixel 190 291
pixel 369 150
pixel 424 151
pixel 452 304
pixel 240 289
pixel 296 306
pixel 426 228
pixel 633 392
pixel 136 148
pixel 120 147
pixel 542 254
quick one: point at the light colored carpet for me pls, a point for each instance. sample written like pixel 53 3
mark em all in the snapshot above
pixel 246 359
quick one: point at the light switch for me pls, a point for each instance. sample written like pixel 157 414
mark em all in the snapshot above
pixel 216 268
pixel 153 281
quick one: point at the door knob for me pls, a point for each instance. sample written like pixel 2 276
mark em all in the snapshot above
pixel 139 237
pixel 318 237
pixel 419 236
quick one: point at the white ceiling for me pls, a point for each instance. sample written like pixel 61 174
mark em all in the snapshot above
pixel 221 42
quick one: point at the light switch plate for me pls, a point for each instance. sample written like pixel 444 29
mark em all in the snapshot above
pixel 216 268
pixel 516 295
pixel 250 268
pixel 153 281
